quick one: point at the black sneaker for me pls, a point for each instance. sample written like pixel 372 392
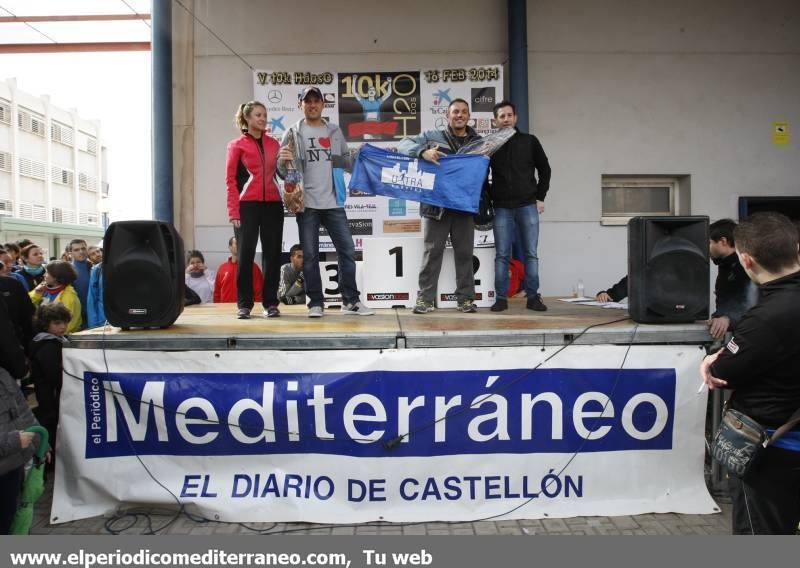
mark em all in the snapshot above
pixel 272 312
pixel 500 305
pixel 243 314
pixel 536 304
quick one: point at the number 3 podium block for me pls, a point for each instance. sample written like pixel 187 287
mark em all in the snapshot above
pixel 391 272
pixel 329 274
pixel 482 267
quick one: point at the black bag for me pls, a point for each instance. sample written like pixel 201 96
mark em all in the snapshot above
pixel 484 218
pixel 740 440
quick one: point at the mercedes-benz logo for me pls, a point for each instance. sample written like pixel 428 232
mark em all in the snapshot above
pixel 441 122
pixel 274 96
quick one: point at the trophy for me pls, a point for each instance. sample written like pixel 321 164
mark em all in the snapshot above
pixel 489 144
pixel 293 183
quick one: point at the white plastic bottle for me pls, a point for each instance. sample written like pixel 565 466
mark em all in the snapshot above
pixel 579 288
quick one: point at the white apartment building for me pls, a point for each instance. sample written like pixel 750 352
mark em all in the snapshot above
pixel 52 172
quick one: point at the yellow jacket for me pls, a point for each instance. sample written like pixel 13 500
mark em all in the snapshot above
pixel 70 299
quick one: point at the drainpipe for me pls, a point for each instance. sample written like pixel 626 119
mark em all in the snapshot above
pixel 518 60
pixel 162 110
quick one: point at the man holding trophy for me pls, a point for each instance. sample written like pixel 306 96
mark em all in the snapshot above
pixel 315 151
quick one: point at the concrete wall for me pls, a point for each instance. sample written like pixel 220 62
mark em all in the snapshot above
pixel 657 87
pixel 616 87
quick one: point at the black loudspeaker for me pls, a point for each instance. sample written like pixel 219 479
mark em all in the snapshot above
pixel 668 271
pixel 143 274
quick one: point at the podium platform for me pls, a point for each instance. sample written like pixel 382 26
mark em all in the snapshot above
pixel 214 326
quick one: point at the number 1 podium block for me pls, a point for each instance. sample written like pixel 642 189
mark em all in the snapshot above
pixel 391 272
pixel 482 267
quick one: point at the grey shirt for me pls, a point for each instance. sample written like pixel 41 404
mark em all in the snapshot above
pixel 318 174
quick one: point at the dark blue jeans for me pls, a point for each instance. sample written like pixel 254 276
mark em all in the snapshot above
pixel 527 220
pixel 335 221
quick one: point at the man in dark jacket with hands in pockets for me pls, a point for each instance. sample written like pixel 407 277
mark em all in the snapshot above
pixel 518 200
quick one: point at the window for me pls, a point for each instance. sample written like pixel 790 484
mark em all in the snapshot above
pixel 33 211
pixel 61 133
pixel 88 143
pixel 31 168
pixel 87 182
pixel 29 122
pixel 6 207
pixel 624 197
pixel 5 111
pixel 63 216
pixel 89 218
pixel 62 176
pixel 5 162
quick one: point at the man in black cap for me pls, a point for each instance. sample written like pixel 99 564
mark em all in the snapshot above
pixel 321 156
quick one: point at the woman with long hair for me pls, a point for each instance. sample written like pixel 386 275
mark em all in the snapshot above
pixel 254 206
pixel 32 266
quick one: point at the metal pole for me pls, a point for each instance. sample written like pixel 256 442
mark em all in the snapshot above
pixel 518 59
pixel 162 111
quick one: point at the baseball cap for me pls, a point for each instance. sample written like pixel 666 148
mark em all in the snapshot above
pixel 310 90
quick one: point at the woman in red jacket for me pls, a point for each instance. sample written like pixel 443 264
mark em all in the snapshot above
pixel 254 206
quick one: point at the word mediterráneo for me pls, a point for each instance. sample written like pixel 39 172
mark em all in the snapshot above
pixel 380 413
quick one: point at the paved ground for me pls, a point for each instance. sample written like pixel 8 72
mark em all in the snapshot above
pixel 651 524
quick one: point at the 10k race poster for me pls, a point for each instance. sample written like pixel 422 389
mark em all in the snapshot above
pixel 381 108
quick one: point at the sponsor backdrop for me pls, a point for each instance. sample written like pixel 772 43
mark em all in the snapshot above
pixel 395 435
pixel 381 107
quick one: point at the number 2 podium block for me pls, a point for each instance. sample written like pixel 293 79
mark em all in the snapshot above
pixel 483 269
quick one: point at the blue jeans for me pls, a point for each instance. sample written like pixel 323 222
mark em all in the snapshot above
pixel 335 221
pixel 527 220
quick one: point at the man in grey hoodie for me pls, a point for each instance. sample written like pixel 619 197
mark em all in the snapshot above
pixel 321 155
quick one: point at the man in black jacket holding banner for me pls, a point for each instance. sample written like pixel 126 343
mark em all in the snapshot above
pixel 518 200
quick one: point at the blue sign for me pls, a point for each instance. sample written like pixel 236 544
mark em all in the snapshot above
pixel 397 208
pixel 379 413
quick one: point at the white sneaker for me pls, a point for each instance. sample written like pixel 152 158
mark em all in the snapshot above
pixel 315 312
pixel 357 309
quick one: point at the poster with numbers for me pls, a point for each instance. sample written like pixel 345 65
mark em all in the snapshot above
pixel 380 107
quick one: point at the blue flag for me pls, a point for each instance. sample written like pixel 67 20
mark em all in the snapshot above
pixel 455 183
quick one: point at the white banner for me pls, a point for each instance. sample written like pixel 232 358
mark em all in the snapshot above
pixel 382 108
pixel 397 435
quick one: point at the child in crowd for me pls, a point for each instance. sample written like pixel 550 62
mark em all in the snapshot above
pixel 57 288
pixel 32 266
pixel 16 445
pixel 95 255
pixel 95 309
pixel 225 290
pixel 198 277
pixel 46 369
pixel 292 288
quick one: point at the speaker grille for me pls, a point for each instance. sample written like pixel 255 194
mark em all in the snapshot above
pixel 147 286
pixel 677 283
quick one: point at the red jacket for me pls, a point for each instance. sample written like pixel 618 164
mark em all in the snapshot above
pixel 225 284
pixel 250 171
